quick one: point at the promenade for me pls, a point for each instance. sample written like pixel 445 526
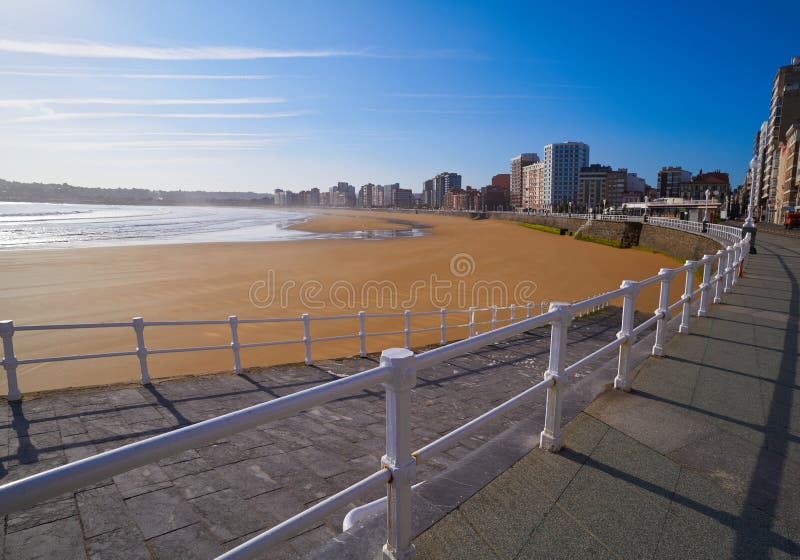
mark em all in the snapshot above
pixel 700 460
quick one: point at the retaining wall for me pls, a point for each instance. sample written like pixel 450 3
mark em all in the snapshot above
pixel 677 243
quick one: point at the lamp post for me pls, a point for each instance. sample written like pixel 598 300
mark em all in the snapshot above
pixel 604 206
pixel 750 225
pixel 570 208
pixel 646 200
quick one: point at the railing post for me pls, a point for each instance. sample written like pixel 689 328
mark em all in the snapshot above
pixel 737 253
pixel 362 333
pixel 233 321
pixel 528 308
pixel 408 328
pixel 662 311
pixel 10 360
pixel 550 439
pixel 471 322
pixel 398 458
pixel 494 317
pixel 622 380
pixel 513 312
pixel 443 327
pixel 728 268
pixel 307 336
pixel 705 285
pixel 687 298
pixel 718 282
pixel 141 349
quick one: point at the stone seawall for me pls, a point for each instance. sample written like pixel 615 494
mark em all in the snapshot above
pixel 677 243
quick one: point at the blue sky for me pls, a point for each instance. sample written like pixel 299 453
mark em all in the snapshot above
pixel 260 95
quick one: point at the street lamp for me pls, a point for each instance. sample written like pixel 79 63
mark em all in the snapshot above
pixel 570 207
pixel 604 206
pixel 750 225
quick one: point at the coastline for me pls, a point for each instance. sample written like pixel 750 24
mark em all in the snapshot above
pixel 215 280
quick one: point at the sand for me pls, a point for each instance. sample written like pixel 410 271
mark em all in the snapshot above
pixel 213 281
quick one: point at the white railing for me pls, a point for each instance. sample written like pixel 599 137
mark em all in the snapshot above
pixel 508 314
pixel 397 372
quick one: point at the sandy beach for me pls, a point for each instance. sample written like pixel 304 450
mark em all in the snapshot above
pixel 285 279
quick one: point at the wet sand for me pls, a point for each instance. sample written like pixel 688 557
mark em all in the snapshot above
pixel 320 277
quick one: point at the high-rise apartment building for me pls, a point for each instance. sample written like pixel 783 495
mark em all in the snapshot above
pixel 515 179
pixel 788 172
pixel 784 111
pixel 428 193
pixel 439 186
pixel 342 195
pixel 533 187
pixel 670 179
pixel 562 167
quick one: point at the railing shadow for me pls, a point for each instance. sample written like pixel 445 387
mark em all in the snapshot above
pixel 780 409
pixel 744 524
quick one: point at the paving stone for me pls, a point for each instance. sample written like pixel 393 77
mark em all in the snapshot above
pixel 320 463
pixel 560 537
pixel 47 512
pixel 193 542
pixel 225 516
pixel 249 478
pixel 141 480
pixel 102 510
pixel 199 484
pixel 453 533
pixel 120 544
pixel 58 539
pixel 160 512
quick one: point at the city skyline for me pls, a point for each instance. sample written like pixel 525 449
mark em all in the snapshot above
pixel 255 98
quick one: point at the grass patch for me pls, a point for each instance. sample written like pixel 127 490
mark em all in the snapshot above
pixel 599 240
pixel 537 227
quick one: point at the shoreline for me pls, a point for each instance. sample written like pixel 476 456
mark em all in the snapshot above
pixel 204 281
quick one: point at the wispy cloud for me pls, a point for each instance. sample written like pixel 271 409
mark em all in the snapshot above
pixel 472 96
pixel 125 115
pixel 221 144
pixel 84 133
pixel 123 76
pixel 87 49
pixel 124 101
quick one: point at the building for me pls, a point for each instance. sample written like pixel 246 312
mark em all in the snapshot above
pixel 716 182
pixel 439 186
pixel 402 198
pixel 367 195
pixel 670 179
pixel 343 195
pixel 502 180
pixel 388 194
pixel 592 187
pixel 635 184
pixel 495 198
pixel 602 187
pixel 533 187
pixel 788 173
pixel 462 200
pixel 562 167
pixel 515 177
pixel 784 111
pixel 428 194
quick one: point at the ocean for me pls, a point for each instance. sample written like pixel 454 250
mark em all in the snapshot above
pixel 33 225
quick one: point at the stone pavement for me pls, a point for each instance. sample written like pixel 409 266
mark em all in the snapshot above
pixel 700 460
pixel 202 502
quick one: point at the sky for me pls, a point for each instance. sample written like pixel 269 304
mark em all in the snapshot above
pixel 262 95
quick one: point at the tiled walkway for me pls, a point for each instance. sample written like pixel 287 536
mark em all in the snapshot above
pixel 700 460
